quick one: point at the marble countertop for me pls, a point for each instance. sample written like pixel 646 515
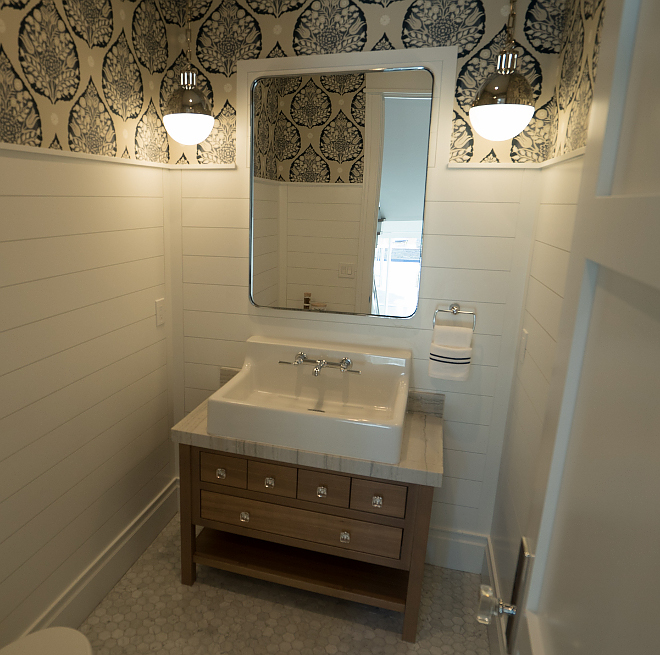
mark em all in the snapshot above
pixel 421 450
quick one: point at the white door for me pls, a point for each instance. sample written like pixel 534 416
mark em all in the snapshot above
pixel 595 582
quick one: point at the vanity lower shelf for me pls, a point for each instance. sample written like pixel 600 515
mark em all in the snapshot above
pixel 303 569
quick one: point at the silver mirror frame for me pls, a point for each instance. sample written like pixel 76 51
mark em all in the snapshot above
pixel 440 62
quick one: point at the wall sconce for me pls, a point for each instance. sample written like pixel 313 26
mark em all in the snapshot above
pixel 505 102
pixel 188 117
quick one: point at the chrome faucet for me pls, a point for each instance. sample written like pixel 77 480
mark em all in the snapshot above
pixel 301 358
pixel 320 363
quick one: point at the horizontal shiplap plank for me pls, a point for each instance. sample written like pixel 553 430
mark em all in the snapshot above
pixel 473 286
pixel 27 385
pixel 555 225
pixel 33 301
pixel 456 491
pixel 33 498
pixel 550 266
pixel 326 262
pixel 22 261
pixel 215 183
pixel 27 344
pixel 77 547
pixel 43 530
pixel 260 264
pixel 215 212
pixel 214 351
pixel 215 298
pixel 323 229
pixel 479 185
pixel 314 211
pixel 469 437
pixel 264 227
pixel 545 306
pixel 320 245
pixel 541 346
pixel 218 242
pixel 32 422
pixel 318 278
pixel 32 174
pixel 216 270
pixel 490 253
pixel 560 184
pixel 484 219
pixel 194 397
pixel 39 217
pixel 468 408
pixel 325 193
pixel 445 516
pixel 463 464
pixel 202 376
pixel 38 456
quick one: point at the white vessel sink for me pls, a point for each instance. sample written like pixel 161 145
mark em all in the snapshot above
pixel 337 413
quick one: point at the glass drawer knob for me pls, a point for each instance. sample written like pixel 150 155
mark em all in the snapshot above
pixel 269 483
pixel 377 501
pixel 221 474
pixel 345 537
pixel 245 517
pixel 322 492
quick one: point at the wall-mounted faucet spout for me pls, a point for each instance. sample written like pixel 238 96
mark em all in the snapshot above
pixel 320 363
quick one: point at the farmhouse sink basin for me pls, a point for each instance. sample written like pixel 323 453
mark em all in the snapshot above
pixel 317 407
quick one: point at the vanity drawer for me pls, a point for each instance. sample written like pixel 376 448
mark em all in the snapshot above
pixel 223 469
pixel 272 479
pixel 379 497
pixel 302 524
pixel 324 488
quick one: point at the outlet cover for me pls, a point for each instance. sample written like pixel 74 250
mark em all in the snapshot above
pixel 160 311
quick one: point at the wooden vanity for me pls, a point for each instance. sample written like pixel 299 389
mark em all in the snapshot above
pixel 337 532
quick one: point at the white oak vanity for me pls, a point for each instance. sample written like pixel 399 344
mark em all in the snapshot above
pixel 344 527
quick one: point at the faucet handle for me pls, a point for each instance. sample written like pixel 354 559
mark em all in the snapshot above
pixel 300 358
pixel 345 364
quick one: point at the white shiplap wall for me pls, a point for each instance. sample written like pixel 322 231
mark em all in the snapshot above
pixel 84 450
pixel 476 246
pixel 545 289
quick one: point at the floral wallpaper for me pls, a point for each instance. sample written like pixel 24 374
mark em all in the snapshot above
pixel 309 128
pixel 93 76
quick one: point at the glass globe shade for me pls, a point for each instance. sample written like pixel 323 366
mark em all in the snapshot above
pixel 189 128
pixel 500 122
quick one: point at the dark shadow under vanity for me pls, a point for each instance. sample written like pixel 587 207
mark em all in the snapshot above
pixel 329 528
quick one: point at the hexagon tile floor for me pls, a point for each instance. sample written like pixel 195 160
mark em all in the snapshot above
pixel 149 610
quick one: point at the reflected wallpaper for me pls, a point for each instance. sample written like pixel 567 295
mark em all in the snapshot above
pixel 93 76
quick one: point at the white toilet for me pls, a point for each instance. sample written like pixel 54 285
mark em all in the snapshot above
pixel 51 641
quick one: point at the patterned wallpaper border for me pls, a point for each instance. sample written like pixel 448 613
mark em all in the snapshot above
pixel 92 76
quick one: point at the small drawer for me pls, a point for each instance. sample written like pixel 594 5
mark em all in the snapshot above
pixel 324 488
pixel 272 479
pixel 223 469
pixel 308 527
pixel 379 497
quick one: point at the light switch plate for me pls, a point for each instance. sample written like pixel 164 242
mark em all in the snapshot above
pixel 346 270
pixel 160 311
pixel 523 346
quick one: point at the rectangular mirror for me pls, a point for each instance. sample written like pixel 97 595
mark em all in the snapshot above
pixel 338 179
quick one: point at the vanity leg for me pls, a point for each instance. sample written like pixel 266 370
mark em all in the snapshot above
pixel 188 567
pixel 420 537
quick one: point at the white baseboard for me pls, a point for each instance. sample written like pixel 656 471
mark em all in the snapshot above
pixel 76 602
pixel 461 551
pixel 496 638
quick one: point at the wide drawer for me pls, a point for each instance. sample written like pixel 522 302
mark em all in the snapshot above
pixel 302 524
pixel 324 488
pixel 272 479
pixel 379 497
pixel 223 469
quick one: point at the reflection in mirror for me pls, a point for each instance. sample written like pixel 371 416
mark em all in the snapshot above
pixel 338 183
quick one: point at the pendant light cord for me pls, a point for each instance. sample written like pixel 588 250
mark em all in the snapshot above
pixel 188 76
pixel 511 27
pixel 188 12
